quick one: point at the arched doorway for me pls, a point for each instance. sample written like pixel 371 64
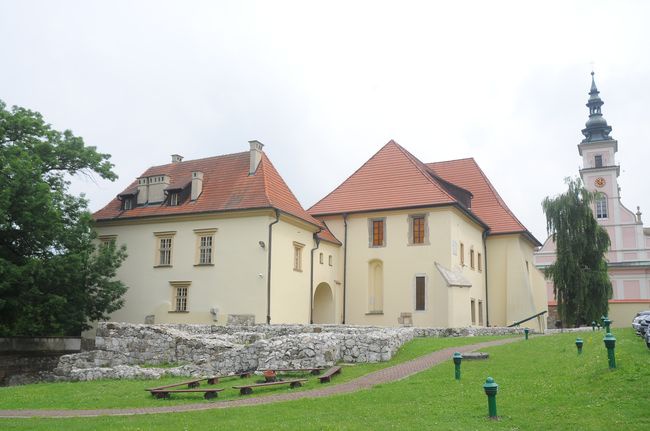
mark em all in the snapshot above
pixel 323 304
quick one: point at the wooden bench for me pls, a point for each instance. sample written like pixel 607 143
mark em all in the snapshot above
pixel 191 384
pixel 327 377
pixel 312 371
pixel 248 389
pixel 208 394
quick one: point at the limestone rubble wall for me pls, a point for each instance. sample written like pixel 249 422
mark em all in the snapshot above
pixel 126 350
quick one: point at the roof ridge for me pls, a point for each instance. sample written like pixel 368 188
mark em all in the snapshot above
pixel 350 176
pixel 417 162
pixel 196 160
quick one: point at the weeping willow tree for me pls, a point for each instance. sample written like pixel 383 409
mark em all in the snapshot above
pixel 582 286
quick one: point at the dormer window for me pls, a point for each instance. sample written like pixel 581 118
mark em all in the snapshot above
pixel 127 204
pixel 174 199
pixel 598 161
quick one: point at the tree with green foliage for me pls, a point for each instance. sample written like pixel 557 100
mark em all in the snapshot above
pixel 54 277
pixel 581 284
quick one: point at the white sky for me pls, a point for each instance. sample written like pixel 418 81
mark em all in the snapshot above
pixel 325 84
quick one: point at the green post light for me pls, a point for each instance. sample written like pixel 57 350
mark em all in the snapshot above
pixel 610 344
pixel 491 389
pixel 457 360
pixel 607 322
pixel 526 330
pixel 579 343
pixel 593 325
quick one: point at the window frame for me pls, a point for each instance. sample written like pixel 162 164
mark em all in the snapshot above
pixel 473 310
pixel 330 260
pixel 381 234
pixel 200 234
pixel 127 204
pixel 321 258
pixel 479 262
pixel 178 287
pixel 297 256
pixel 601 206
pixel 422 277
pixel 598 160
pixel 472 262
pixel 160 237
pixel 462 254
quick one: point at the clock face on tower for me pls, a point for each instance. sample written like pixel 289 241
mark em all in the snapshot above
pixel 600 182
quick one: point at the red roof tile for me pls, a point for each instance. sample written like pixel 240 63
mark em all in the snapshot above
pixel 392 178
pixel 486 204
pixel 327 235
pixel 226 186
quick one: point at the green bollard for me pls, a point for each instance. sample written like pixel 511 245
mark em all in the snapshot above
pixel 610 344
pixel 526 330
pixel 607 322
pixel 579 343
pixel 490 389
pixel 457 360
pixel 593 325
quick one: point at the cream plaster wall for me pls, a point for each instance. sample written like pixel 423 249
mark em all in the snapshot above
pixel 290 288
pixel 516 288
pixel 239 269
pixel 402 262
pixel 332 275
pixel 622 313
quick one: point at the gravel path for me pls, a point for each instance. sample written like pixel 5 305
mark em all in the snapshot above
pixel 390 374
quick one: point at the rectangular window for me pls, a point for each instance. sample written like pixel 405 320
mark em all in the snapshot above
pixel 598 161
pixel 471 258
pixel 601 207
pixel 321 258
pixel 127 204
pixel 165 251
pixel 377 233
pixel 473 305
pixel 181 299
pixel 174 199
pixel 419 294
pixel 480 312
pixel 205 250
pixel 480 262
pixel 418 229
pixel 297 256
pixel 462 254
pixel 330 260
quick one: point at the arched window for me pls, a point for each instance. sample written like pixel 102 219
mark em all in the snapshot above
pixel 375 286
pixel 601 206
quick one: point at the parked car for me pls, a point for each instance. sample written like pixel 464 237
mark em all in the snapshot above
pixel 636 322
pixel 644 324
pixel 647 337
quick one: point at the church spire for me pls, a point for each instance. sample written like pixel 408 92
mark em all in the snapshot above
pixel 596 128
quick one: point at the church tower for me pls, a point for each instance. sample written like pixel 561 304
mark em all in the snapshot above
pixel 599 169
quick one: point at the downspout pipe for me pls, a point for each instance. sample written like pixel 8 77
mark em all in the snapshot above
pixel 311 281
pixel 345 262
pixel 485 267
pixel 268 270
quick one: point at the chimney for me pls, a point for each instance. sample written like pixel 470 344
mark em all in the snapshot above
pixel 197 184
pixel 143 190
pixel 256 156
pixel 177 158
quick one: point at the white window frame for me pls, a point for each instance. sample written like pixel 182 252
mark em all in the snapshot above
pixel 158 258
pixel 199 257
pixel 180 296
pixel 602 207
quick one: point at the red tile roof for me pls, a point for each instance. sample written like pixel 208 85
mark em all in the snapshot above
pixel 226 186
pixel 486 204
pixel 392 178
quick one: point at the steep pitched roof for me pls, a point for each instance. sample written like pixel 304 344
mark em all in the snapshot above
pixel 486 204
pixel 226 186
pixel 392 178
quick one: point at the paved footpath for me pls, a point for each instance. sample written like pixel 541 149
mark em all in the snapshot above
pixel 390 374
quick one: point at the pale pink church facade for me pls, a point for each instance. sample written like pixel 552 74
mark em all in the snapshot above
pixel 629 254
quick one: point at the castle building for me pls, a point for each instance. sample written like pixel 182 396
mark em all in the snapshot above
pixel 400 242
pixel 629 254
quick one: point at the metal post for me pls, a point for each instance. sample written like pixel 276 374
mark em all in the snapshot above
pixel 491 389
pixel 457 360
pixel 610 344
pixel 607 322
pixel 526 330
pixel 579 343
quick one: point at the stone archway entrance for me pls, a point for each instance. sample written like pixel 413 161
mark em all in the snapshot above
pixel 323 304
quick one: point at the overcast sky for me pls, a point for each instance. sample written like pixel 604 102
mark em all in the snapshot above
pixel 324 85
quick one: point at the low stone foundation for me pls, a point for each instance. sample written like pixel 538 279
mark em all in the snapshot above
pixel 128 351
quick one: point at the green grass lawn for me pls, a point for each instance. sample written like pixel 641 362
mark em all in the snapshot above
pixel 131 393
pixel 543 384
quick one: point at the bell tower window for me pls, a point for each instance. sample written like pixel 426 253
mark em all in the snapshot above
pixel 601 207
pixel 598 161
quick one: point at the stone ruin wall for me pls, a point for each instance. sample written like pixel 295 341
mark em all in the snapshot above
pixel 202 350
